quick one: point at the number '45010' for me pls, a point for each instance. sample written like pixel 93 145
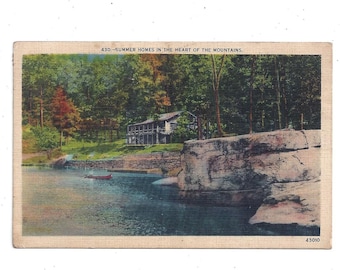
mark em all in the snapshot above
pixel 313 240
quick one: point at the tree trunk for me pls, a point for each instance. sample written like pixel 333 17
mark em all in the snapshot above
pixel 218 115
pixel 251 90
pixel 207 130
pixel 278 93
pixel 216 83
pixel 41 108
pixel 284 94
pixel 49 153
pixel 30 107
pixel 199 127
pixel 263 113
pixel 61 139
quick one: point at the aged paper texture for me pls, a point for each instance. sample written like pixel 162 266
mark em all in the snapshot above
pixel 172 145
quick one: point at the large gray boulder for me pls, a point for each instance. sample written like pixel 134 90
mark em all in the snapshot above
pixel 280 168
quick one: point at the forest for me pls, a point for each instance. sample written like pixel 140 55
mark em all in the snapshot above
pixel 95 97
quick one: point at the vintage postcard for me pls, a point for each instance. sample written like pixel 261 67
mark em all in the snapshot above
pixel 172 145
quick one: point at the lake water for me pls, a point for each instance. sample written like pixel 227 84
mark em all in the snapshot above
pixel 63 202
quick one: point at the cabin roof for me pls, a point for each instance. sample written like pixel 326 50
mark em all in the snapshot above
pixel 162 117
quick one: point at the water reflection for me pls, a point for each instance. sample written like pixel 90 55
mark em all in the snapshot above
pixel 63 202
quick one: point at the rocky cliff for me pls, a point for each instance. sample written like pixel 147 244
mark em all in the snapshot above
pixel 277 173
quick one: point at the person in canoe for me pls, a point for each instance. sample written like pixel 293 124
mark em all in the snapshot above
pixel 100 177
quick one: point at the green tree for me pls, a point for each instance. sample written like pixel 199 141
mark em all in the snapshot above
pixel 185 130
pixel 193 88
pixel 38 79
pixel 235 94
pixel 46 139
pixel 304 91
pixel 217 70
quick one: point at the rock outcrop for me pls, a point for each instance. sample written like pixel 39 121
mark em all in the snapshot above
pixel 60 162
pixel 277 172
pixel 169 181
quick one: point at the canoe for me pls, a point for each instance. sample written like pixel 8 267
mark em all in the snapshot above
pixel 100 177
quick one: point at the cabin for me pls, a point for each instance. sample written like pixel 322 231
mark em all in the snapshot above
pixel 156 131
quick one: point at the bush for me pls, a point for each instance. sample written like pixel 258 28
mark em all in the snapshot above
pixel 46 139
pixel 184 130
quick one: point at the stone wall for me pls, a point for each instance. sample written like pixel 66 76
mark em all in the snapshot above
pixel 276 172
pixel 153 162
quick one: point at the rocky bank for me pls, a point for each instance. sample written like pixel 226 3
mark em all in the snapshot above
pixel 277 173
pixel 158 162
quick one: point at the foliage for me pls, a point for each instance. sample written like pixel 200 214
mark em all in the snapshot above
pixel 185 130
pixel 29 144
pixel 46 139
pixel 65 116
pixel 232 94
